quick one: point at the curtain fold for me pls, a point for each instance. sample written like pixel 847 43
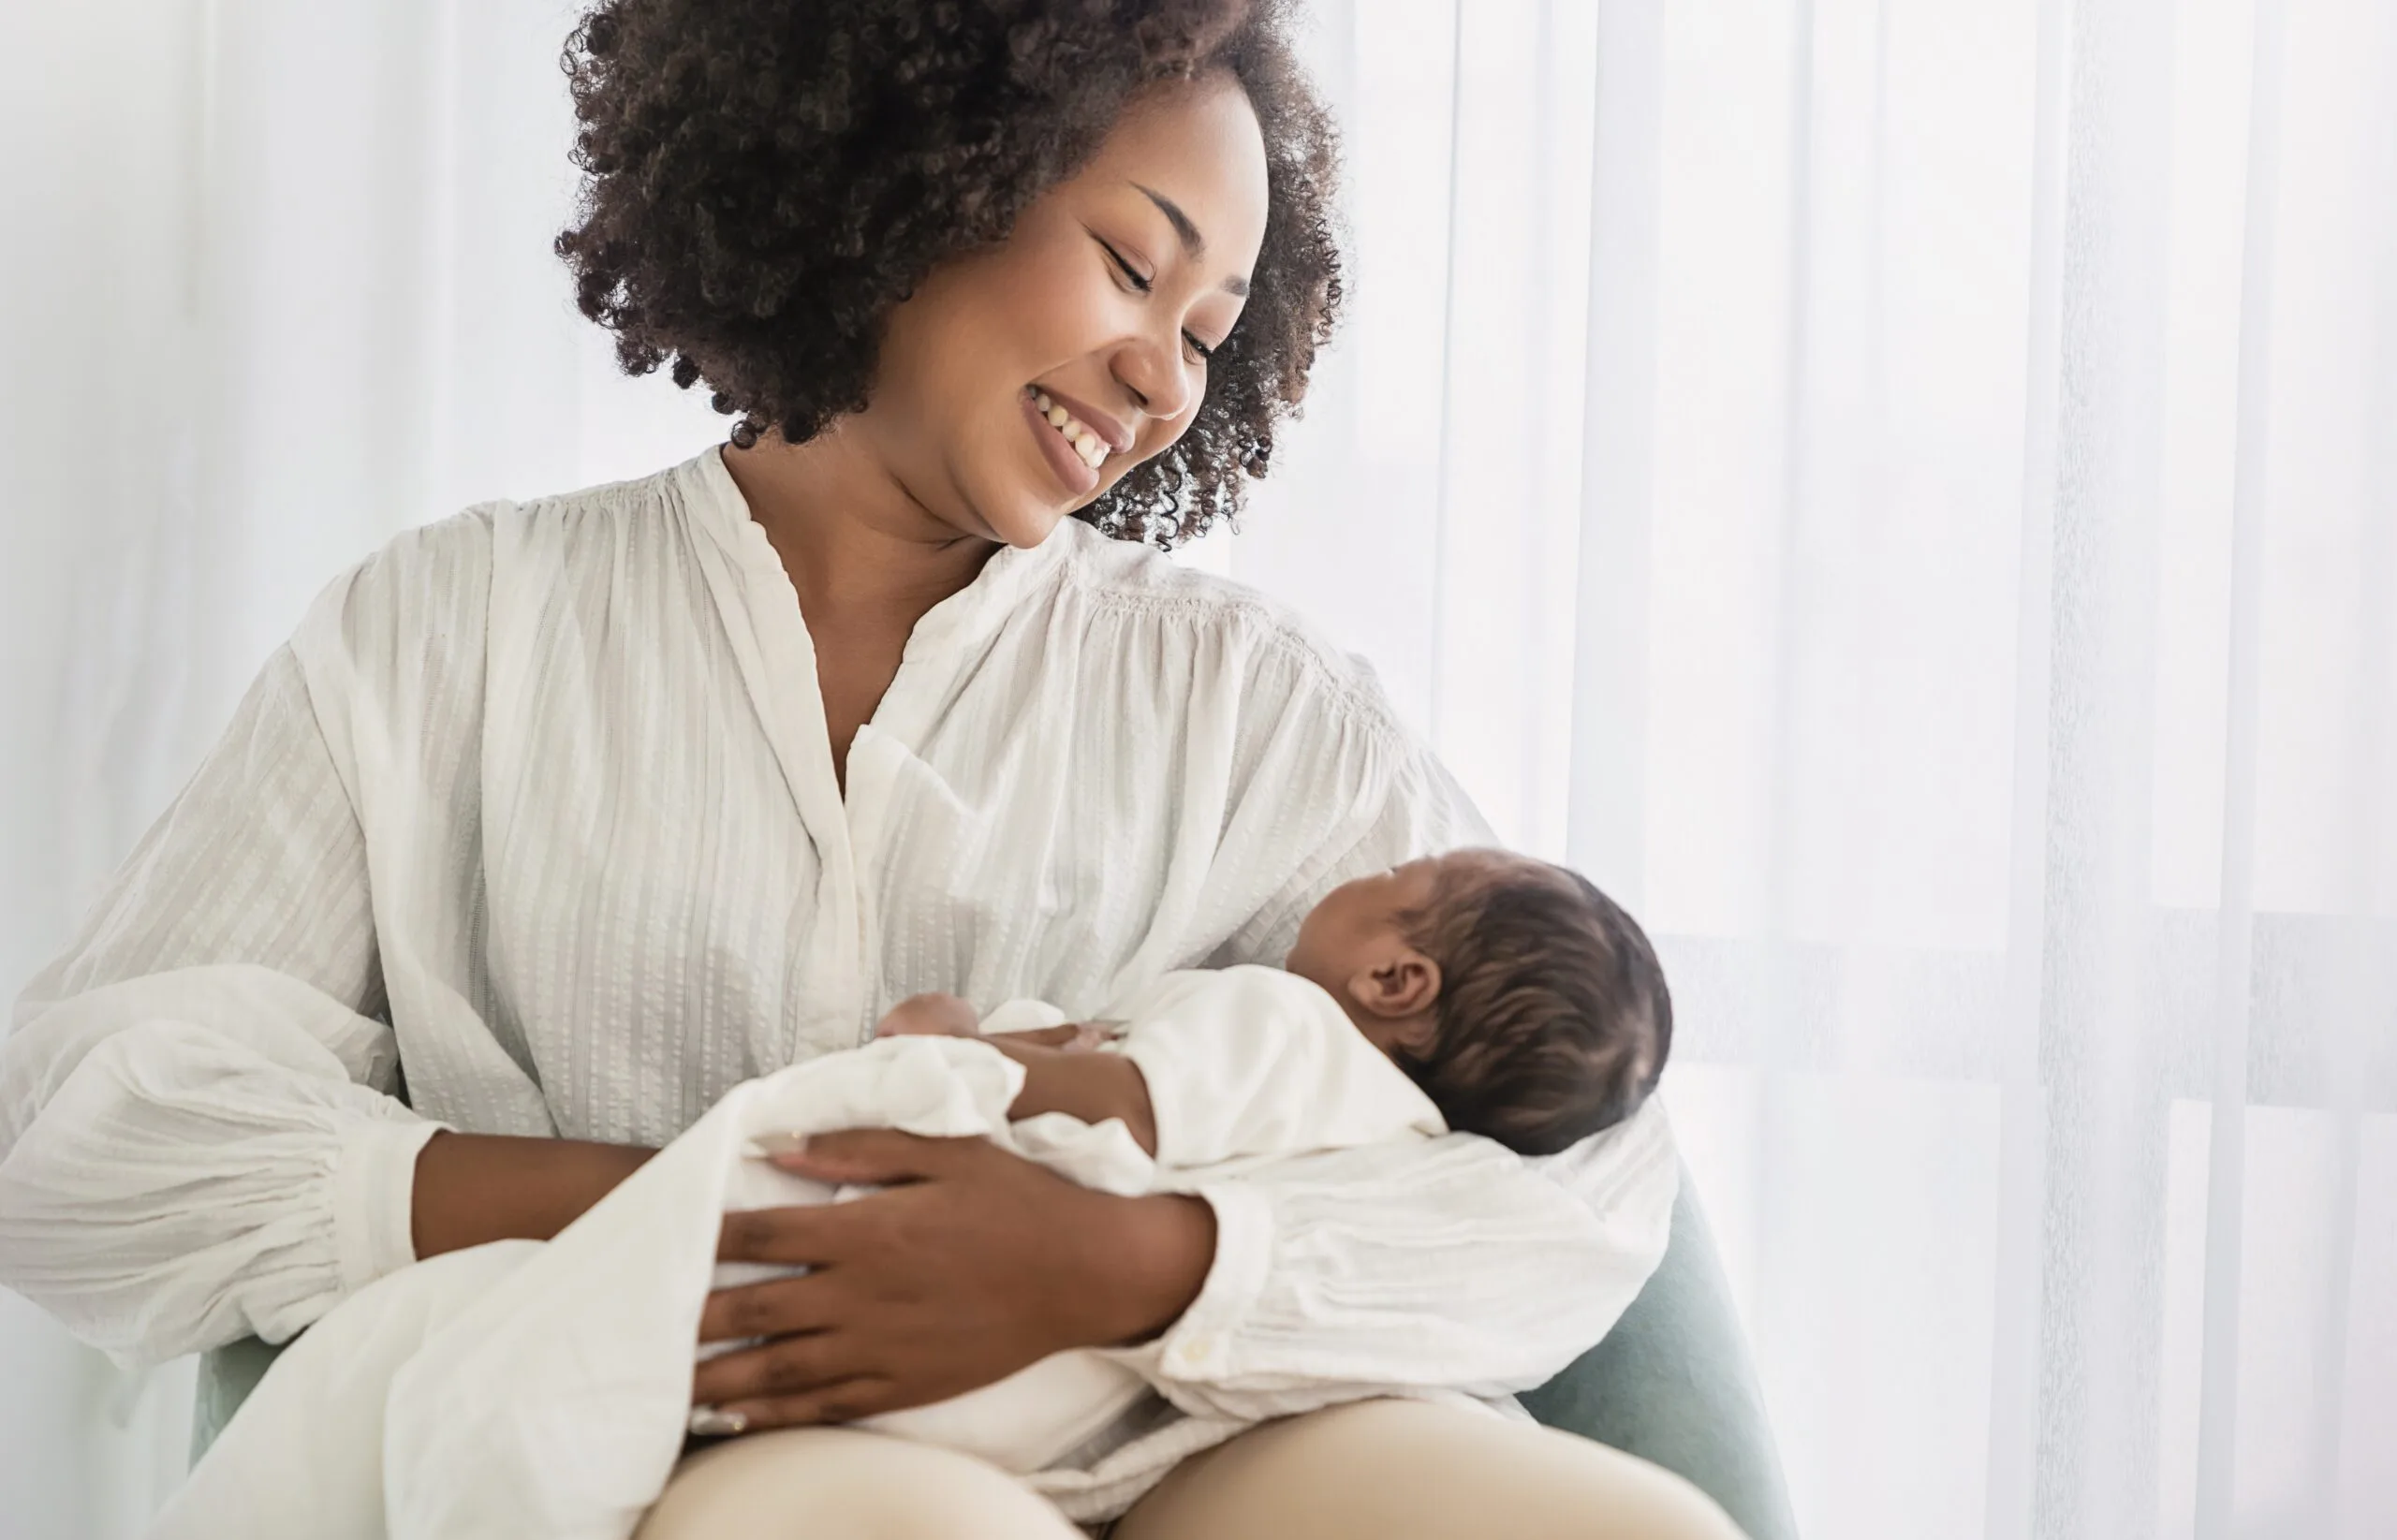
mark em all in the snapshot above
pixel 1947 593
pixel 1897 491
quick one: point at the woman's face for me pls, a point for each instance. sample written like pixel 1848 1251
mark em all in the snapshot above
pixel 1104 302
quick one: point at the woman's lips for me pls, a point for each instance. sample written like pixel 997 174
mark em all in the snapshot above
pixel 1116 435
pixel 1078 477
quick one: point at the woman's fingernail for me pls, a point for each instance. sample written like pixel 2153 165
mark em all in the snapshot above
pixel 779 1144
pixel 709 1422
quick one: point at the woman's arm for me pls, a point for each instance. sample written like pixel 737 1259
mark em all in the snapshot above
pixel 1389 1269
pixel 473 1188
pixel 1450 1265
pixel 197 1135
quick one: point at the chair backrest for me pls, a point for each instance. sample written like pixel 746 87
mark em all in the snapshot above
pixel 228 1374
pixel 1674 1383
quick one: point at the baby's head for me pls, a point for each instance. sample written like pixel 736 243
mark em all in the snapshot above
pixel 1524 1001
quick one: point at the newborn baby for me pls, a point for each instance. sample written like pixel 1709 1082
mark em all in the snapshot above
pixel 529 1386
pixel 1520 1001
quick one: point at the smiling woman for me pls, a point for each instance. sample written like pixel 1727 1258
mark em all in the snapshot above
pixel 555 821
pixel 1107 297
pixel 768 181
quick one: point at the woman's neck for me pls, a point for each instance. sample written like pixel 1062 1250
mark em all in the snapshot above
pixel 859 549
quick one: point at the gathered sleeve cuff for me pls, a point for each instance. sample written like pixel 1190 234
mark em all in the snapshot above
pixel 1451 1265
pixel 373 1196
pixel 191 1156
pixel 199 1131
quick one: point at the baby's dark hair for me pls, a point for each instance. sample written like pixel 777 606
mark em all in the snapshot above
pixel 1554 1020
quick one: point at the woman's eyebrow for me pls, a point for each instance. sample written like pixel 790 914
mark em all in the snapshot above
pixel 1192 241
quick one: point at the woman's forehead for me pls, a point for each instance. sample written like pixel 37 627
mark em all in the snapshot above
pixel 1197 146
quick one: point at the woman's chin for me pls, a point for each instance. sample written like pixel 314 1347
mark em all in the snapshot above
pixel 1025 523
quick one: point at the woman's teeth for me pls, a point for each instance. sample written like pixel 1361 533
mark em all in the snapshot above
pixel 1088 444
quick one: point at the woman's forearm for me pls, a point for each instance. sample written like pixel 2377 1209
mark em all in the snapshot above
pixel 1148 1267
pixel 472 1188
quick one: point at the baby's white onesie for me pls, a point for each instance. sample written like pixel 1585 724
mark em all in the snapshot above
pixel 542 1387
pixel 1250 1062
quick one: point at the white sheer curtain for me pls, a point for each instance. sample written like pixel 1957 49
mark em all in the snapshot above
pixel 1899 491
pixel 274 283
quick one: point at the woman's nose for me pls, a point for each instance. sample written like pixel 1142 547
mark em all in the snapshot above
pixel 1155 376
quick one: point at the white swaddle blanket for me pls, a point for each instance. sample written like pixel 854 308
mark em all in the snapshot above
pixel 532 1389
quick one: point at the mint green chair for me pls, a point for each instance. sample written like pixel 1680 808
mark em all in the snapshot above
pixel 1673 1384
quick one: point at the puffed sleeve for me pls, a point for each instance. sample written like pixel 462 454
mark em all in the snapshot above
pixel 1448 1266
pixel 199 1131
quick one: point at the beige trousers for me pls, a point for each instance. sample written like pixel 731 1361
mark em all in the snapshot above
pixel 1382 1469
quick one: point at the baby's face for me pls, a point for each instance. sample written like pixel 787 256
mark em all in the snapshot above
pixel 1359 923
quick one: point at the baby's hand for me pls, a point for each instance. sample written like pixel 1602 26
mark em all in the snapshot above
pixel 930 1016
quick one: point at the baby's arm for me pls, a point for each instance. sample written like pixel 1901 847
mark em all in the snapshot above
pixel 1061 1074
pixel 1093 1087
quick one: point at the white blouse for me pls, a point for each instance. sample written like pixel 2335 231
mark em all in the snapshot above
pixel 533 829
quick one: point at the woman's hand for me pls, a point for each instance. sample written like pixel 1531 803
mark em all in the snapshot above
pixel 974 1264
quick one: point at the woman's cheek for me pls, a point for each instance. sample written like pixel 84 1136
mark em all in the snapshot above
pixel 1169 435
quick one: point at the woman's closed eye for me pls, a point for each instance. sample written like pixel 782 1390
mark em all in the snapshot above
pixel 1132 275
pixel 1200 352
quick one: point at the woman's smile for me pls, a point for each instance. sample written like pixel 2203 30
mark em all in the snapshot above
pixel 1073 449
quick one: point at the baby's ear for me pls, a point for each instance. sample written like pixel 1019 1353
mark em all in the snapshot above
pixel 1404 983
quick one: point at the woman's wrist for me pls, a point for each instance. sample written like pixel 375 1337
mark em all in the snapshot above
pixel 1148 1267
pixel 473 1188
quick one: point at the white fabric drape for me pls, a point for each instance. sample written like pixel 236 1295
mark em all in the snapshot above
pixel 1899 491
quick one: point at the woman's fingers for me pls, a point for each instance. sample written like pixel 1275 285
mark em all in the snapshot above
pixel 806 1237
pixel 774 1307
pixel 879 1157
pixel 785 1367
pixel 863 1397
pixel 822 1234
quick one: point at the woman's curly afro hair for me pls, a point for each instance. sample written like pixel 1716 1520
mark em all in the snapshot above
pixel 766 179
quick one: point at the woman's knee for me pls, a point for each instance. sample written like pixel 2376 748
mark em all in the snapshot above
pixel 1398 1470
pixel 839 1484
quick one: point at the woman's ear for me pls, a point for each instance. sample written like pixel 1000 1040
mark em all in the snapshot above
pixel 1402 983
